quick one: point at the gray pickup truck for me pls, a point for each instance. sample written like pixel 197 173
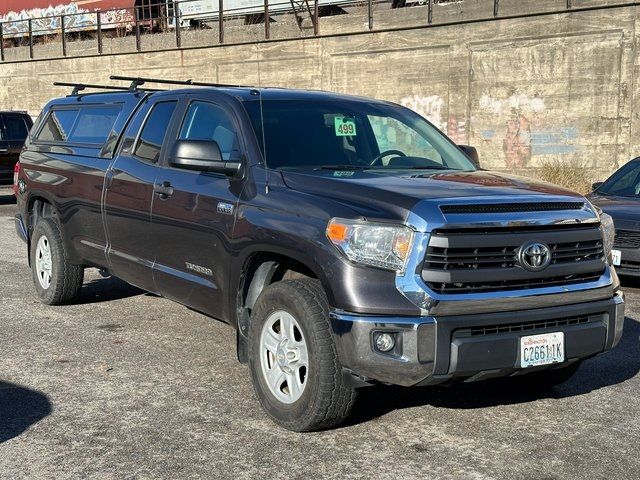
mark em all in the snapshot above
pixel 347 240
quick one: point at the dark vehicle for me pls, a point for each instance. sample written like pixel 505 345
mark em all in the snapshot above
pixel 619 197
pixel 14 128
pixel 348 240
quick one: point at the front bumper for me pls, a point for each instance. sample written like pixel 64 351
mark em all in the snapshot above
pixel 435 349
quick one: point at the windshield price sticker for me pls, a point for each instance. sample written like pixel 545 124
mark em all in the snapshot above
pixel 345 127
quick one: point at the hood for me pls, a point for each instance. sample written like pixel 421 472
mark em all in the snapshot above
pixel 624 210
pixel 379 194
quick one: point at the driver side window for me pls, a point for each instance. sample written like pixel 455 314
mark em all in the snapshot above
pixel 390 134
pixel 206 121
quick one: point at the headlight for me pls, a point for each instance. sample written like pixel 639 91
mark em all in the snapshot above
pixel 374 244
pixel 608 232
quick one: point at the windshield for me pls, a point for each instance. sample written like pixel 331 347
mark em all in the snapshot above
pixel 625 182
pixel 319 134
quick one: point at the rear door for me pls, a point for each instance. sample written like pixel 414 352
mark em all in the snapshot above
pixel 193 226
pixel 130 193
pixel 15 128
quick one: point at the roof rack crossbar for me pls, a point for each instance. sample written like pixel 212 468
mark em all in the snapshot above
pixel 78 87
pixel 137 81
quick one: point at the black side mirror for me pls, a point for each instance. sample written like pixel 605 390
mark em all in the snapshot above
pixel 203 156
pixel 596 186
pixel 472 153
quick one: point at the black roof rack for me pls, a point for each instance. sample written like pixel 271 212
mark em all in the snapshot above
pixel 138 81
pixel 78 87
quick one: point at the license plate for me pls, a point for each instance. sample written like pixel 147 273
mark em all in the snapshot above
pixel 617 257
pixel 542 349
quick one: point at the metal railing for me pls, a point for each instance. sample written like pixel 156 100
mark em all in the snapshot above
pixel 175 16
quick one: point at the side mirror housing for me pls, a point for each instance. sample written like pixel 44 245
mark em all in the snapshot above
pixel 596 186
pixel 203 156
pixel 472 153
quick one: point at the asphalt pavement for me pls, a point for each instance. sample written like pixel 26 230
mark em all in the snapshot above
pixel 128 385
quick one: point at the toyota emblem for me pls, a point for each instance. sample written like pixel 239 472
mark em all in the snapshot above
pixel 534 256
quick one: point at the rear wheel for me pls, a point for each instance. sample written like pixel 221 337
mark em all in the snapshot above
pixel 56 280
pixel 294 365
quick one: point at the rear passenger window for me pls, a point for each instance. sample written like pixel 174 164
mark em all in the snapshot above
pixel 154 131
pixel 90 125
pixel 58 125
pixel 94 125
pixel 16 128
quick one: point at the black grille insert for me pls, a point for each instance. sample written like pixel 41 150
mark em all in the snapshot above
pixel 482 287
pixel 486 260
pixel 522 326
pixel 511 207
pixel 491 257
pixel 627 239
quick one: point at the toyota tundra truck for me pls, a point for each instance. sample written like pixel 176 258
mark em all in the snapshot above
pixel 347 240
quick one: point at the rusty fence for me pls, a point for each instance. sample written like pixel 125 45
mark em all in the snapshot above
pixel 177 16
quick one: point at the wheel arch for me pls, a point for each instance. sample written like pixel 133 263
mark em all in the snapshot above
pixel 38 206
pixel 259 270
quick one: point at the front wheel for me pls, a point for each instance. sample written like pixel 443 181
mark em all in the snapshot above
pixel 56 280
pixel 294 365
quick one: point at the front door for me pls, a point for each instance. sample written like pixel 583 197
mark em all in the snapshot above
pixel 129 194
pixel 192 226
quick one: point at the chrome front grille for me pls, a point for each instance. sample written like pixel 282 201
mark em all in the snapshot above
pixel 506 257
pixel 470 261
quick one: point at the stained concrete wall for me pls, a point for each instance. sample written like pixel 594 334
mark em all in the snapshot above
pixel 525 91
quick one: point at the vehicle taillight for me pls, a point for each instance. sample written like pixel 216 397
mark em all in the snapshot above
pixel 16 174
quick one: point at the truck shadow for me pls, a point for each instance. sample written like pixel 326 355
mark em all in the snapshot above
pixel 20 408
pixel 611 368
pixel 106 289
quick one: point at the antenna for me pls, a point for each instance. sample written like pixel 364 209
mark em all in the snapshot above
pixel 264 142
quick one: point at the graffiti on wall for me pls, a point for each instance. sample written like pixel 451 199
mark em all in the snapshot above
pixel 47 21
pixel 431 107
pixel 527 131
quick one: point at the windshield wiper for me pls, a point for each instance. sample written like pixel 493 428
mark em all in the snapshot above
pixel 431 167
pixel 341 167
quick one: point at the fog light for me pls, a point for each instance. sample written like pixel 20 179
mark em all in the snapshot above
pixel 384 342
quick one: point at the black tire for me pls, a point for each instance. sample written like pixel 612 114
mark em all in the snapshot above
pixel 325 401
pixel 550 378
pixel 66 278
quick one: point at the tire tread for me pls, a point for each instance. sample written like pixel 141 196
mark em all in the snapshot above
pixel 334 401
pixel 68 277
